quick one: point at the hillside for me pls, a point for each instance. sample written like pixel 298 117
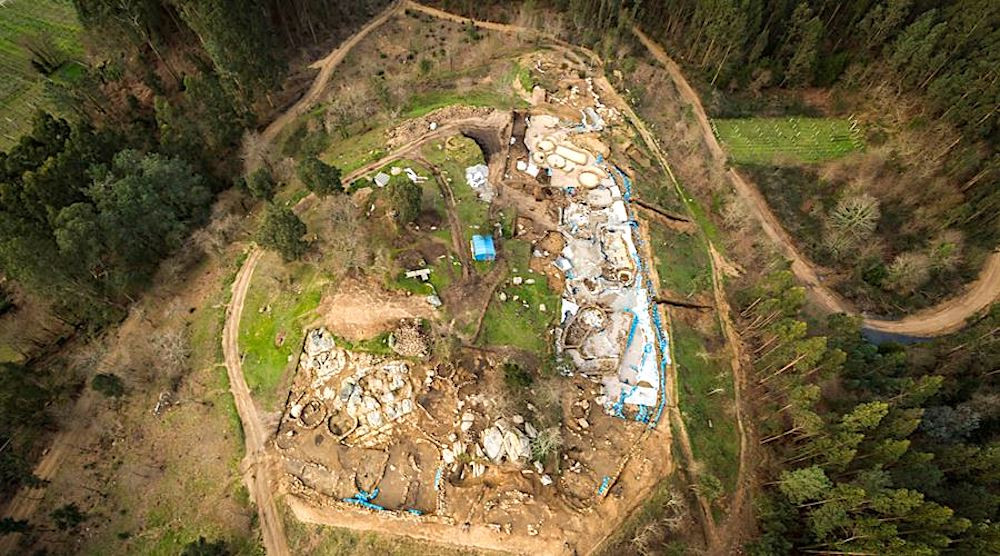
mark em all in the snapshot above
pixel 33 30
pixel 552 276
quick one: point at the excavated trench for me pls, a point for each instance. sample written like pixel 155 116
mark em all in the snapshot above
pixel 487 138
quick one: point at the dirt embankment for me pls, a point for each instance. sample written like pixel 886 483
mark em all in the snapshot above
pixel 946 317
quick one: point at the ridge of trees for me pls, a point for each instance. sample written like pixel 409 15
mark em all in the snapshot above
pixel 91 203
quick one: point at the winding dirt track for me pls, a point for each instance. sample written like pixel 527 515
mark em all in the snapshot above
pixel 22 505
pixel 256 460
pixel 326 67
pixel 944 318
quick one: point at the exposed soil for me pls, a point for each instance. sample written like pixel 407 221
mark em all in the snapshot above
pixel 358 311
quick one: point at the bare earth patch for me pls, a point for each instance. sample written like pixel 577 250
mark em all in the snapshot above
pixel 361 310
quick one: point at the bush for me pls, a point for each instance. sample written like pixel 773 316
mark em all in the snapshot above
pixel 908 272
pixel 68 517
pixel 282 231
pixel 261 185
pixel 203 547
pixel 110 385
pixel 6 300
pixel 404 199
pixel 516 377
pixel 319 177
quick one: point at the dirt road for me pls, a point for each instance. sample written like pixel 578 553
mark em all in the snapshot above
pixel 256 460
pixel 325 67
pixel 951 315
pixel 946 317
pixel 22 505
pixel 441 14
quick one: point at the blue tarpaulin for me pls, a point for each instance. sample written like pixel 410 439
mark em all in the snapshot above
pixel 482 248
pixel 364 499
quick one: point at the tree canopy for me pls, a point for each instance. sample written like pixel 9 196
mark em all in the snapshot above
pixel 319 177
pixel 282 231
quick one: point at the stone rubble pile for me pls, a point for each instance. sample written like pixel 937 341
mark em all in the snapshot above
pixel 504 441
pixel 377 391
pixel 408 340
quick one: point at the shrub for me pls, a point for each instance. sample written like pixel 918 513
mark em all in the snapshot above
pixel 203 547
pixel 319 177
pixel 282 231
pixel 110 385
pixel 852 221
pixel 404 198
pixel 908 272
pixel 516 377
pixel 546 443
pixel 261 185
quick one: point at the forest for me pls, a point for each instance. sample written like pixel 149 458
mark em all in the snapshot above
pixel 865 448
pixel 921 77
pixel 92 203
pixel 871 449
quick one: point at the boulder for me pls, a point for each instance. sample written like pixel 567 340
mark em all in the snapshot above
pixel 467 420
pixel 493 443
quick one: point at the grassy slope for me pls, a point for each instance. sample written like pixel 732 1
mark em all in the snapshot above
pixel 510 323
pixel 357 150
pixel 281 300
pixel 473 214
pixel 198 489
pixel 421 104
pixel 764 140
pixel 681 262
pixel 22 90
pixel 705 396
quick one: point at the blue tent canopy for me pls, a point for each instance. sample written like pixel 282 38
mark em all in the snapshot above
pixel 482 248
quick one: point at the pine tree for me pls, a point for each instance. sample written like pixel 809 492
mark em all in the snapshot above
pixel 282 231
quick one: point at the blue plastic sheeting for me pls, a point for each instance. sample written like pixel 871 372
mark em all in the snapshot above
pixel 437 478
pixel 631 330
pixel 415 511
pixel 605 483
pixel 643 415
pixel 620 404
pixel 661 336
pixel 483 249
pixel 364 499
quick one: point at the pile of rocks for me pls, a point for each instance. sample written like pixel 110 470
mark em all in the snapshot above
pixel 408 339
pixel 377 393
pixel 504 441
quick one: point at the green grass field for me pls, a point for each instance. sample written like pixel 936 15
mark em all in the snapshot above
pixel 279 303
pixel 705 392
pixel 770 140
pixel 422 104
pixel 681 261
pixel 22 90
pixel 356 151
pixel 510 323
pixel 473 214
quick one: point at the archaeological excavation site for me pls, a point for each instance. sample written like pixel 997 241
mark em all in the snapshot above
pixel 555 300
